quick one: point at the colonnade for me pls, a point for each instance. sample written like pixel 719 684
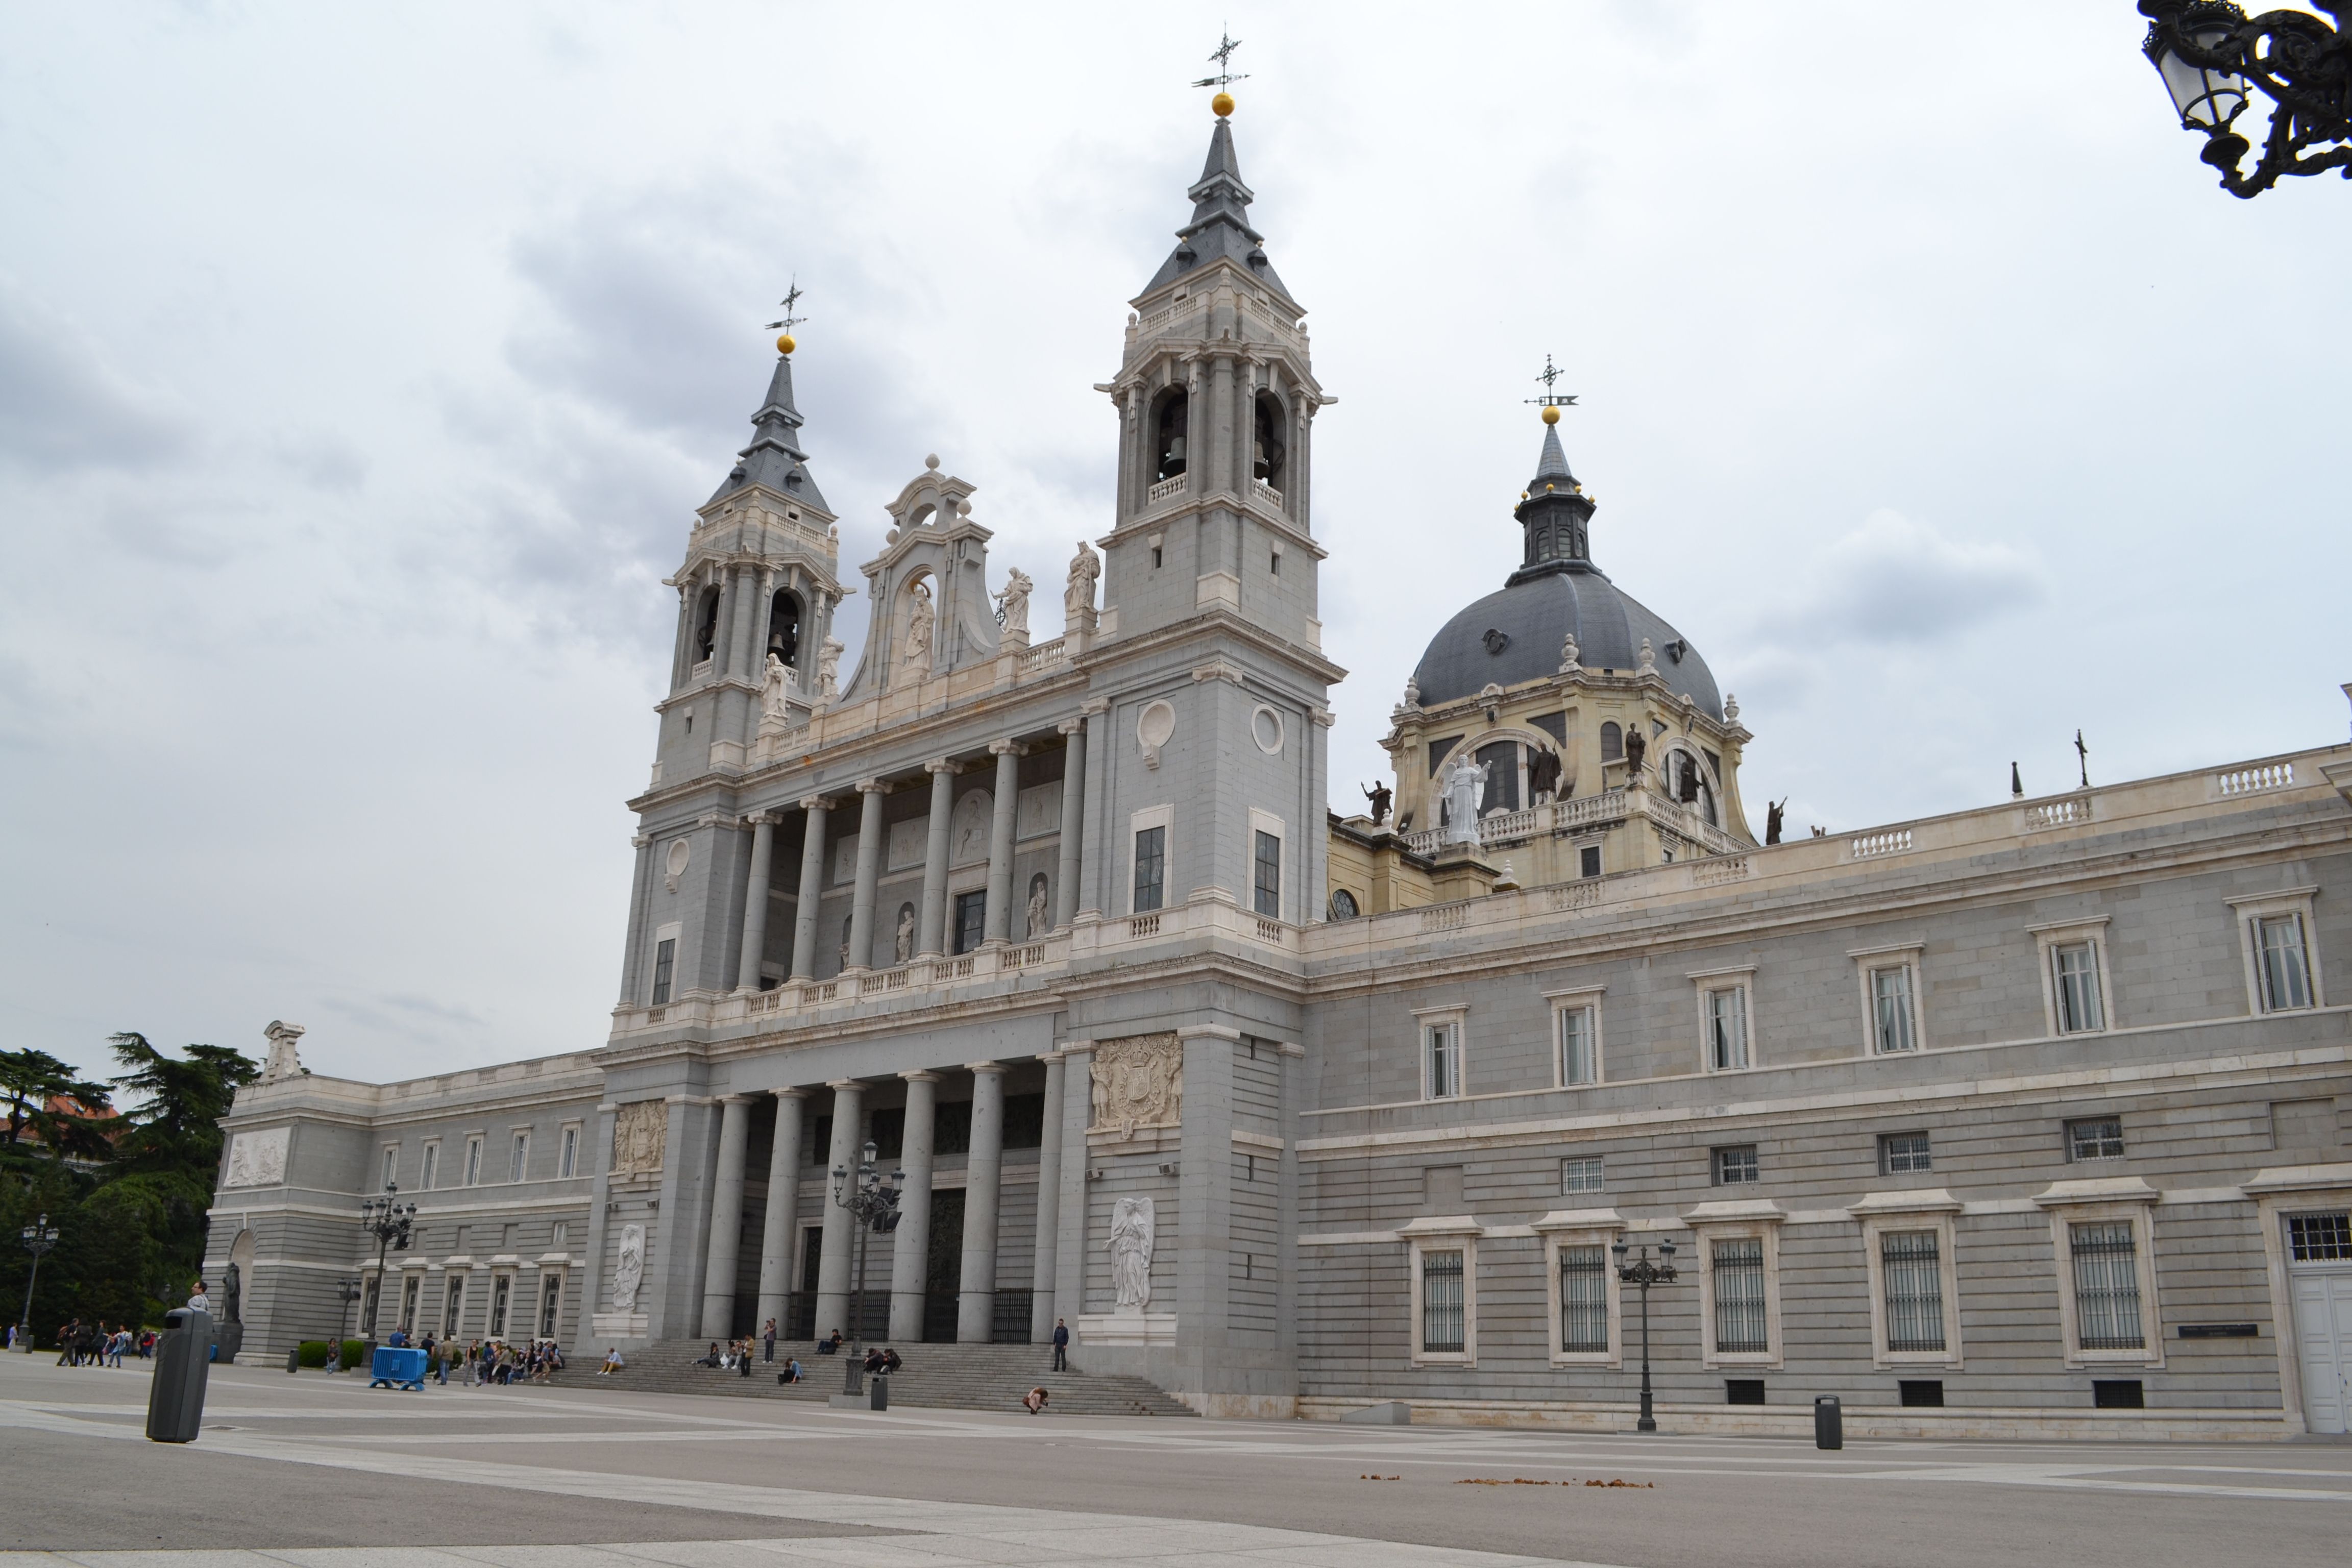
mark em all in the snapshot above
pixel 905 1271
pixel 934 930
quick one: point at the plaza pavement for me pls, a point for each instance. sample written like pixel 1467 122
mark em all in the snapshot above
pixel 309 1472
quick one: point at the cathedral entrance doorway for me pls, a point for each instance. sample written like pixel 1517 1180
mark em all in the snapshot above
pixel 943 1274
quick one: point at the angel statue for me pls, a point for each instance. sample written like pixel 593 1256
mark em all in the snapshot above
pixel 1465 783
pixel 1013 602
pixel 1131 1253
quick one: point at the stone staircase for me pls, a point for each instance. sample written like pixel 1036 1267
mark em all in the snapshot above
pixel 941 1377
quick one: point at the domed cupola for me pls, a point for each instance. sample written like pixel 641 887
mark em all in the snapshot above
pixel 1554 513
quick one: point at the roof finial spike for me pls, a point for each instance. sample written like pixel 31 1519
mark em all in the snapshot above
pixel 1222 103
pixel 1551 402
pixel 785 344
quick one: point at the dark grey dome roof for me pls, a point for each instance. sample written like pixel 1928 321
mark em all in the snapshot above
pixel 1533 617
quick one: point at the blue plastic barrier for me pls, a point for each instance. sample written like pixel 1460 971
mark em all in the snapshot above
pixel 397 1368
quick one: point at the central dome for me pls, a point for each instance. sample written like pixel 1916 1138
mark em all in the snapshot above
pixel 1514 634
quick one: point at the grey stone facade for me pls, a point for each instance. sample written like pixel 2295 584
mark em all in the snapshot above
pixel 1335 1121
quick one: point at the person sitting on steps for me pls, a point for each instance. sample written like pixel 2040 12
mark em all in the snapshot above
pixel 1033 1401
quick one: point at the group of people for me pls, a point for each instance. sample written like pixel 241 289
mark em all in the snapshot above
pixel 478 1364
pixel 95 1344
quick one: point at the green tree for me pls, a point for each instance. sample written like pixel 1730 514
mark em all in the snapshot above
pixel 52 1111
pixel 167 1151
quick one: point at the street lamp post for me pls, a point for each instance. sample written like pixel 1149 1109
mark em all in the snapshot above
pixel 872 1206
pixel 38 1238
pixel 1644 1274
pixel 389 1221
pixel 2212 55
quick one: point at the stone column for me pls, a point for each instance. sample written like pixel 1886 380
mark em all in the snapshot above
pixel 722 635
pixel 1099 851
pixel 812 889
pixel 640 900
pixel 1074 812
pixel 755 901
pixel 999 842
pixel 910 1254
pixel 1070 1242
pixel 869 872
pixel 833 1281
pixel 931 935
pixel 1049 1205
pixel 777 1230
pixel 726 1220
pixel 741 652
pixel 976 1302
pixel 682 656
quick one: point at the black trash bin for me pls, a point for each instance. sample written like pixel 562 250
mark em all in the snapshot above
pixel 175 1399
pixel 1829 1423
pixel 877 1392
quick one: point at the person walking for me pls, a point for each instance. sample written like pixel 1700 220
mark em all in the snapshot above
pixel 767 1335
pixel 1061 1345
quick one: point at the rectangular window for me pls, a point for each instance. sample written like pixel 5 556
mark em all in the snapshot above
pixel 2320 1237
pixel 562 1234
pixel 1269 876
pixel 567 1162
pixel 411 1290
pixel 1441 1049
pixel 1587 860
pixel 2074 975
pixel 1915 1291
pixel 1901 1153
pixel 971 919
pixel 1739 1323
pixel 1150 867
pixel 391 1165
pixel 2096 1137
pixel 2119 1393
pixel 2280 963
pixel 1584 1299
pixel 1727 1028
pixel 432 1165
pixel 1736 1166
pixel 1890 1006
pixel 665 959
pixel 2106 1285
pixel 518 1157
pixel 1921 1392
pixel 501 1293
pixel 1743 1391
pixel 1443 1320
pixel 1581 1176
pixel 550 1297
pixel 473 1162
pixel 452 1307
pixel 1579 1061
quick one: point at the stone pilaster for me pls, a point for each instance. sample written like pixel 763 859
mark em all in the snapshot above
pixel 779 1227
pixel 812 889
pixel 911 1250
pixel 976 1300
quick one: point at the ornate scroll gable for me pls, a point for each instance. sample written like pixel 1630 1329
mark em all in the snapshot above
pixel 1139 1082
pixel 640 1133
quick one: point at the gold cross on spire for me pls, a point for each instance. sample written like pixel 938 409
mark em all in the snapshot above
pixel 791 298
pixel 1223 55
pixel 1551 402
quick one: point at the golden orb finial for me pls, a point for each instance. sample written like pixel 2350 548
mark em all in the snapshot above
pixel 1222 103
pixel 1550 416
pixel 785 344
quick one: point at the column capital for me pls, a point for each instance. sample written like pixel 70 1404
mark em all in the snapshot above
pixel 1096 707
pixel 1077 1048
pixel 763 820
pixel 1071 726
pixel 793 1092
pixel 976 1069
pixel 738 1098
pixel 873 786
pixel 839 1084
pixel 920 1075
pixel 1006 748
pixel 815 803
pixel 1049 1058
pixel 947 765
pixel 639 840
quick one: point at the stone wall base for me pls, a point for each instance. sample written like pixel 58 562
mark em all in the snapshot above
pixel 2010 1425
pixel 1240 1406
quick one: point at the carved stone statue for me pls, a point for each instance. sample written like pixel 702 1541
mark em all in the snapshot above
pixel 1078 597
pixel 920 617
pixel 1040 922
pixel 773 689
pixel 1381 797
pixel 968 829
pixel 284 1060
pixel 1139 1082
pixel 640 1131
pixel 232 1295
pixel 1543 772
pixel 1637 749
pixel 1131 1228
pixel 628 1267
pixel 906 948
pixel 1772 809
pixel 1464 781
pixel 828 669
pixel 1013 602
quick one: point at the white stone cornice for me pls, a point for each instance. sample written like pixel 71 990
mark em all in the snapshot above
pixel 2100 1189
pixel 1579 1219
pixel 2298 1178
pixel 1735 1211
pixel 1925 1200
pixel 1444 1225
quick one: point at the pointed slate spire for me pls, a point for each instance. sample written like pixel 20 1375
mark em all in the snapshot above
pixel 1220 225
pixel 775 458
pixel 1551 469
pixel 1554 513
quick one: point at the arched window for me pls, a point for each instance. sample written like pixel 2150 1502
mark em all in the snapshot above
pixel 1267 448
pixel 1168 428
pixel 1613 743
pixel 705 624
pixel 784 627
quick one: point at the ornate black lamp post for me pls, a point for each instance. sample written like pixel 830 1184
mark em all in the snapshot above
pixel 2210 54
pixel 872 1206
pixel 1645 1274
pixel 389 1221
pixel 38 1238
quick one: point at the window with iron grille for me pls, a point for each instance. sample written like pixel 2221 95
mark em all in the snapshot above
pixel 1727 1028
pixel 2096 1137
pixel 1915 1291
pixel 2280 963
pixel 1739 1323
pixel 1584 1299
pixel 1442 1316
pixel 2106 1285
pixel 1269 876
pixel 665 959
pixel 1735 1166
pixel 1890 1003
pixel 1150 867
pixel 1900 1154
pixel 1581 1175
pixel 2320 1237
pixel 2074 975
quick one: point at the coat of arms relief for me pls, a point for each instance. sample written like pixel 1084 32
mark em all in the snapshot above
pixel 1139 1082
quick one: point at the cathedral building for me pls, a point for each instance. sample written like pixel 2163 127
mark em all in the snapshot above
pixel 2026 1120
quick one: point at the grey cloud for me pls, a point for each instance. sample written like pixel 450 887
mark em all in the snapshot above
pixel 62 408
pixel 1898 580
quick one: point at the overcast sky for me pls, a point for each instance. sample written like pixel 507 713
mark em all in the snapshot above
pixel 361 367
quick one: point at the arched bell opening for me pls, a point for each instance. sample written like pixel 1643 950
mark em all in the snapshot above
pixel 705 624
pixel 784 612
pixel 1171 421
pixel 1268 450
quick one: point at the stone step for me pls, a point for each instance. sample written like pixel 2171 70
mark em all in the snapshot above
pixel 940 1377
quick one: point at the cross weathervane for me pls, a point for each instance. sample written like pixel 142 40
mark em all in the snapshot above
pixel 1551 399
pixel 791 298
pixel 1224 54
